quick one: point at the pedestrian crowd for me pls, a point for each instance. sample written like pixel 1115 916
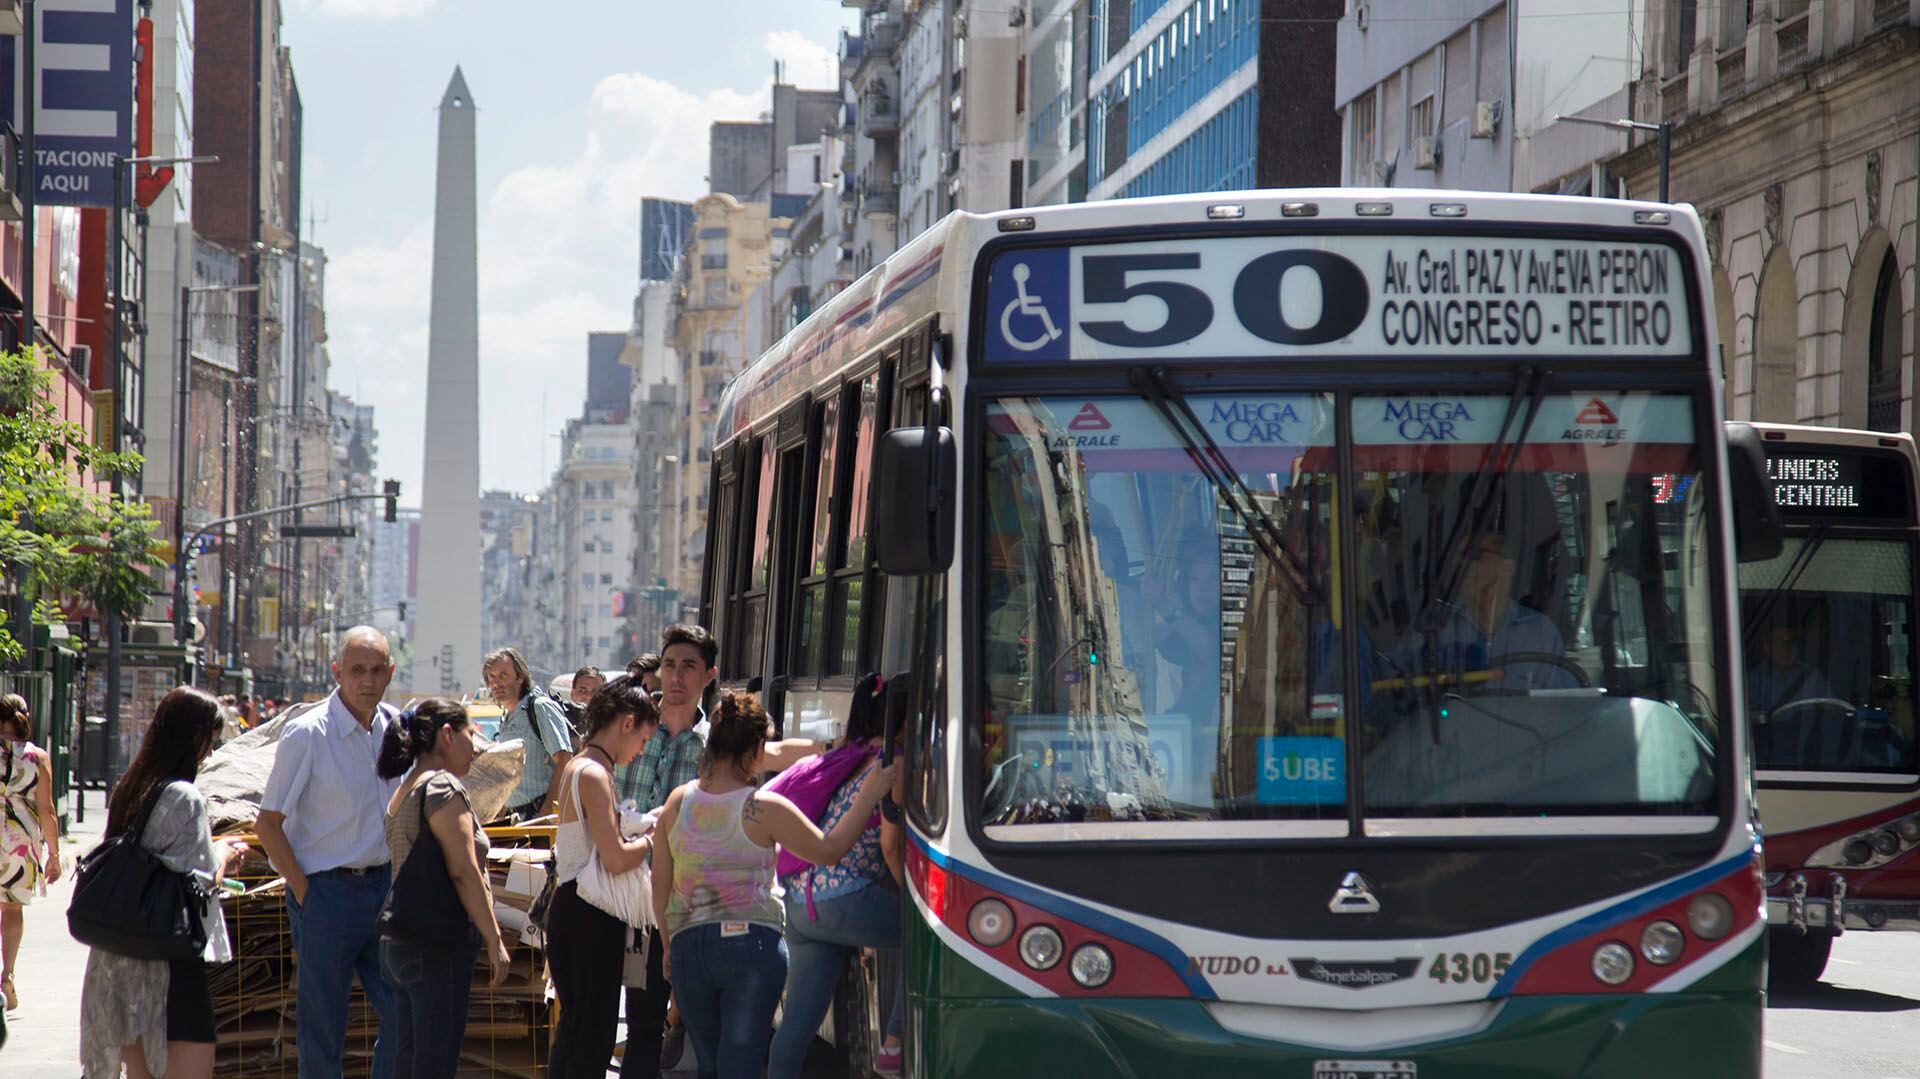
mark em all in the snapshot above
pixel 686 891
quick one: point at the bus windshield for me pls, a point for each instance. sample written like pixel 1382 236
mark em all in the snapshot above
pixel 1532 636
pixel 1829 681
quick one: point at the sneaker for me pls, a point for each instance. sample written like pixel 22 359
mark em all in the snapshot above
pixel 673 1046
pixel 887 1061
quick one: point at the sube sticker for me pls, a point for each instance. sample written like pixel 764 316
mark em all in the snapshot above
pixel 1296 770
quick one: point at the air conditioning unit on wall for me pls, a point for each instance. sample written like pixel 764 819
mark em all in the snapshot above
pixel 1426 152
pixel 1486 119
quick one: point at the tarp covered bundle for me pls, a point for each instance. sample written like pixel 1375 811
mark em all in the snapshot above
pixel 235 777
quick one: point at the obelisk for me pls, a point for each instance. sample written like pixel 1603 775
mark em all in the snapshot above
pixel 446 645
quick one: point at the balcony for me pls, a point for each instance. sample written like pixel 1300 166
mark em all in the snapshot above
pixel 879 194
pixel 882 36
pixel 879 110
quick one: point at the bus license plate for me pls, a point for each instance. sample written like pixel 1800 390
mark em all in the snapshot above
pixel 1363 1069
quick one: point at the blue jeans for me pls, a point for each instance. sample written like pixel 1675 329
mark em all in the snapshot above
pixel 868 918
pixel 333 940
pixel 727 988
pixel 432 989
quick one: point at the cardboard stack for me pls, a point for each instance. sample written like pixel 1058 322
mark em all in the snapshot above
pixel 253 996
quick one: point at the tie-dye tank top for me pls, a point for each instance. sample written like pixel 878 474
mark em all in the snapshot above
pixel 719 875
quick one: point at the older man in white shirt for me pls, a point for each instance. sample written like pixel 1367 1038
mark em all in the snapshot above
pixel 322 822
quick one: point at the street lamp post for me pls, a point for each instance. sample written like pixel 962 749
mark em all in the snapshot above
pixel 1662 130
pixel 182 388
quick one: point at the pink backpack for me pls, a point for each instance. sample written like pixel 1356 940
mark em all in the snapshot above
pixel 810 785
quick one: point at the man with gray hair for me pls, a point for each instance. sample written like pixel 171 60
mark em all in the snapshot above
pixel 322 823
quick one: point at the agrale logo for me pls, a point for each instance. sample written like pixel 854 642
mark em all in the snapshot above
pixel 1089 418
pixel 1595 423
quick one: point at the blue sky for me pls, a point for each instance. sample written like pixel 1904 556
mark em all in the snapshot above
pixel 584 106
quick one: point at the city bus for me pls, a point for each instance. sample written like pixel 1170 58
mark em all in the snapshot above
pixel 1308 620
pixel 1829 635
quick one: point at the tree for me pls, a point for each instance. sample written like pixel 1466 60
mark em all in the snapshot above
pixel 57 536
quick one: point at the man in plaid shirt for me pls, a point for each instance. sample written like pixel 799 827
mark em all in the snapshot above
pixel 672 758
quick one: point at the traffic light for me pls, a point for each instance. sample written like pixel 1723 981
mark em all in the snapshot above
pixel 393 500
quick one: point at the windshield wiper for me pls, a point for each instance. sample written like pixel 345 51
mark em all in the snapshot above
pixel 1157 386
pixel 1789 580
pixel 1448 570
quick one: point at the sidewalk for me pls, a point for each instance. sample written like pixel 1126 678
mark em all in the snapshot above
pixel 43 1036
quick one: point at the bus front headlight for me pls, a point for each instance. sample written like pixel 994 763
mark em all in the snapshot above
pixel 1040 947
pixel 1710 916
pixel 1091 966
pixel 990 922
pixel 1661 943
pixel 1612 963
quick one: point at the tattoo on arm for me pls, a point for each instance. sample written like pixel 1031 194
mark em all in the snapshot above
pixel 751 811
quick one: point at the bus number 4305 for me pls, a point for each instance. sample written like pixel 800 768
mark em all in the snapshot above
pixel 1463 967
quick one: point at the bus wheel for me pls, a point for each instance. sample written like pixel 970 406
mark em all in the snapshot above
pixel 1796 960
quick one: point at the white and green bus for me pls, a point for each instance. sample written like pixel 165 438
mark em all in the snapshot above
pixel 1312 620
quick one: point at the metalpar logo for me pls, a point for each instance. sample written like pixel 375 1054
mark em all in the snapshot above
pixel 1360 974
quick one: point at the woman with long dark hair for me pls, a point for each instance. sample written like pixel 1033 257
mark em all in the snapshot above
pixel 586 946
pixel 154 1015
pixel 26 824
pixel 432 745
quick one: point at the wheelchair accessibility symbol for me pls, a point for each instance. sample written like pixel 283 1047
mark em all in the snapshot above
pixel 1037 329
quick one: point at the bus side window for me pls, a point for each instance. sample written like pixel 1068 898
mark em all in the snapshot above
pixel 747 626
pixel 855 585
pixel 821 517
pixel 716 612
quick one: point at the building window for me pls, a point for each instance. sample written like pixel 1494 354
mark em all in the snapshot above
pixel 606 578
pixel 1684 14
pixel 1364 150
pixel 1420 118
pixel 1883 352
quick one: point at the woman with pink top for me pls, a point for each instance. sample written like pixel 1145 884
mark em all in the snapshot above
pixel 713 883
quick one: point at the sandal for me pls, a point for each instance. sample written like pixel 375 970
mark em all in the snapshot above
pixel 6 987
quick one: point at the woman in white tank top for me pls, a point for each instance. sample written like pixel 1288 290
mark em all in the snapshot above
pixel 713 881
pixel 586 946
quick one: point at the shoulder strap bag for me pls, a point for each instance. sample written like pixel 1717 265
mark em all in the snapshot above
pixel 127 902
pixel 422 908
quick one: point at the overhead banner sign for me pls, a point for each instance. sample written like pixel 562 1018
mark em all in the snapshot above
pixel 85 113
pixel 1251 297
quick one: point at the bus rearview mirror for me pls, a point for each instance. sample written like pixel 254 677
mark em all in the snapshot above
pixel 913 501
pixel 1756 519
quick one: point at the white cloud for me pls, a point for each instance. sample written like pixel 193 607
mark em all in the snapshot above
pixel 559 253
pixel 369 9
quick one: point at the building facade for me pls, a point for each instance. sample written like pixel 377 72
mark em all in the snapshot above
pixel 593 500
pixel 730 255
pixel 1126 98
pixel 1796 132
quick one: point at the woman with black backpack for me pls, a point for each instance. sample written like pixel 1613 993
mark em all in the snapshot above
pixel 155 1015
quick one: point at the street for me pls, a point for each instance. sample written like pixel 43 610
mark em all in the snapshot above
pixel 1863 1021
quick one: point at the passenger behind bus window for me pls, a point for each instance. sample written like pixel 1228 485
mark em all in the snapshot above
pixel 1782 677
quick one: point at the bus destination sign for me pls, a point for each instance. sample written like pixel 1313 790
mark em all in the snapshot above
pixel 1838 482
pixel 1262 296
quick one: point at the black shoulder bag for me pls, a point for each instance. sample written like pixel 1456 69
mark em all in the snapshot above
pixel 126 901
pixel 422 908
